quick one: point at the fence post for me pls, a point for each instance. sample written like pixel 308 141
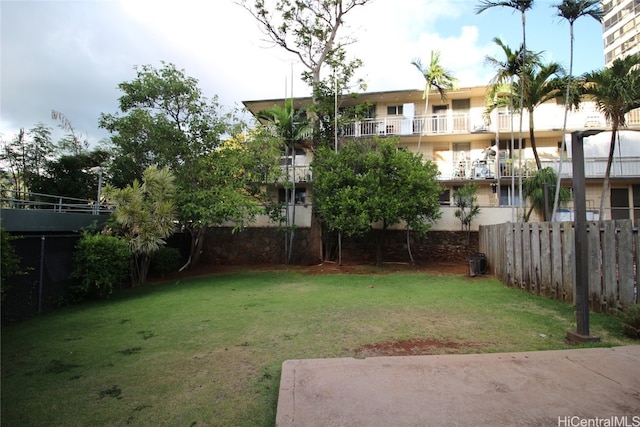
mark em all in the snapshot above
pixel 41 278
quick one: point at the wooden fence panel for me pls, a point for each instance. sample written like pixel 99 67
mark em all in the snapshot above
pixel 595 270
pixel 546 266
pixel 535 270
pixel 625 262
pixel 509 254
pixel 609 296
pixel 525 263
pixel 568 261
pixel 517 255
pixel 556 261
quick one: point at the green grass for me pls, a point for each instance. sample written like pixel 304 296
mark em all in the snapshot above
pixel 208 351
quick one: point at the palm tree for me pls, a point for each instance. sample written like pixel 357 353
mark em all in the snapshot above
pixel 435 76
pixel 571 10
pixel 507 69
pixel 538 190
pixel 616 91
pixel 542 84
pixel 291 126
pixel 522 6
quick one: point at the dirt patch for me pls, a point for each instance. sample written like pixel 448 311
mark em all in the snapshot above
pixel 444 268
pixel 413 347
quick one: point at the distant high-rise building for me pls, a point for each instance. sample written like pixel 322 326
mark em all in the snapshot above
pixel 620 29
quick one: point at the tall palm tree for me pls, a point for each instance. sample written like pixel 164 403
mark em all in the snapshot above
pixel 543 83
pixel 437 77
pixel 616 91
pixel 521 6
pixel 291 125
pixel 571 10
pixel 507 69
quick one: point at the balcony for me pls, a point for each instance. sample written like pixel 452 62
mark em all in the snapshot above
pixel 301 173
pixel 547 118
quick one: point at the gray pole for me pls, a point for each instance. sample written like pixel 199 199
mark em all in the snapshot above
pixel 581 244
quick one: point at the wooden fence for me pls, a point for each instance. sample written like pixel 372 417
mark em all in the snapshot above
pixel 539 257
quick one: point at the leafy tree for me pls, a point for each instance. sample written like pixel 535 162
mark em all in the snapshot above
pixel 72 142
pixel 26 156
pixel 369 182
pixel 616 91
pixel 436 77
pixel 166 121
pixel 146 214
pixel 571 10
pixel 310 31
pixel 466 199
pixel 540 188
pixel 227 185
pixel 70 175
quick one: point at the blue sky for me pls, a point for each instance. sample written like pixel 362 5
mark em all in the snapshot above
pixel 71 55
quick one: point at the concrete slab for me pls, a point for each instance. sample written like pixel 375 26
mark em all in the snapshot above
pixel 547 388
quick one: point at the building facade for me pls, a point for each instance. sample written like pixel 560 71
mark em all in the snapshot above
pixel 492 150
pixel 620 28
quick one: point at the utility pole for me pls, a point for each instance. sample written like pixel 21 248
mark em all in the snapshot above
pixel 581 250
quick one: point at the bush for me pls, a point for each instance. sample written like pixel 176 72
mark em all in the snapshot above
pixel 100 262
pixel 631 321
pixel 9 261
pixel 165 260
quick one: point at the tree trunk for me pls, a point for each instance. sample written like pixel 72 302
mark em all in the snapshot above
pixel 532 137
pixel 195 248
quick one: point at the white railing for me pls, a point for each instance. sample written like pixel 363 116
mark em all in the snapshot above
pixel 545 119
pixel 302 173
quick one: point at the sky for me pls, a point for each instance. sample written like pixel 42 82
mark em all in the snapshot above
pixel 70 56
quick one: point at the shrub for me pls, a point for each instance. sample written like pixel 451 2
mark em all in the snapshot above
pixel 9 261
pixel 100 262
pixel 631 321
pixel 165 260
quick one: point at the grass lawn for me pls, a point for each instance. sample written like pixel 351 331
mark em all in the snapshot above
pixel 208 350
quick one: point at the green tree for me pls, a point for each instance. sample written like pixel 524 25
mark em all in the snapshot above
pixel 542 83
pixel 539 189
pixel 436 77
pixel 466 201
pixel 521 6
pixel 71 176
pixel 369 182
pixel 166 121
pixel 616 91
pixel 227 185
pixel 26 156
pixel 571 11
pixel 146 214
pixel 291 127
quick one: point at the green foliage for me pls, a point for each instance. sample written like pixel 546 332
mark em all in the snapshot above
pixel 466 199
pixel 631 321
pixel 9 261
pixel 146 214
pixel 372 181
pixel 534 190
pixel 70 175
pixel 165 260
pixel 100 263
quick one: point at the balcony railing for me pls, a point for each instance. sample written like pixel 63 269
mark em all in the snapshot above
pixel 302 173
pixel 628 167
pixel 473 122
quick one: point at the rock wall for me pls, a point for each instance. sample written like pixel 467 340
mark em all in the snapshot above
pixel 266 246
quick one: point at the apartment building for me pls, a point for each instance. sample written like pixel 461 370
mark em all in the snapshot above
pixel 470 146
pixel 620 28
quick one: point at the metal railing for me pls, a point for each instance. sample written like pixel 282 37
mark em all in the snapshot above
pixel 11 199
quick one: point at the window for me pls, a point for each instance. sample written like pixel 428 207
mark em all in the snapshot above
pixel 445 197
pixel 394 110
pixel 300 196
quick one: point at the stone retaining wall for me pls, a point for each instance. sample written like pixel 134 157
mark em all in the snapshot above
pixel 266 246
